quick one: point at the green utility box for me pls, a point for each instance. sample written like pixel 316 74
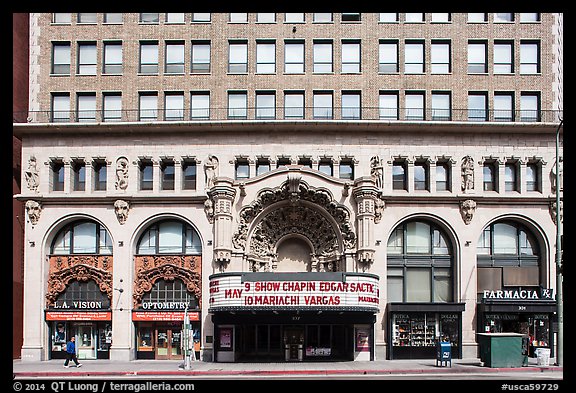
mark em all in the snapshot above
pixel 501 349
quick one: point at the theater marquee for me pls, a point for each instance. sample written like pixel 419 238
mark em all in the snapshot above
pixel 299 291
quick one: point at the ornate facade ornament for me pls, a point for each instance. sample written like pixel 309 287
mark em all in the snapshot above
pixel 553 211
pixel 121 209
pixel 287 220
pixel 64 269
pixel 467 173
pixel 211 170
pixel 209 210
pixel 467 210
pixel 320 197
pixel 122 173
pixel 377 171
pixel 379 206
pixel 33 209
pixel 152 268
pixel 32 175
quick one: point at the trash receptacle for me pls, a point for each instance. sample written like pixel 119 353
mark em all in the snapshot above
pixel 443 353
pixel 543 356
pixel 501 349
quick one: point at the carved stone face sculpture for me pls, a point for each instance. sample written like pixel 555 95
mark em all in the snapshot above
pixel 121 208
pixel 467 209
pixel 34 209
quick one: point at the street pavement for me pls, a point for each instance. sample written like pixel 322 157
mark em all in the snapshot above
pixel 147 369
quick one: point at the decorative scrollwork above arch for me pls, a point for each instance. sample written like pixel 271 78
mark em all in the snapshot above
pixel 152 268
pixel 321 198
pixel 287 220
pixel 64 269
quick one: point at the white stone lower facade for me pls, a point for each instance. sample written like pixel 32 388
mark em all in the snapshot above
pixel 293 224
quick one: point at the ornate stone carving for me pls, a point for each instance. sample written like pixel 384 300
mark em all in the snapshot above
pixel 467 210
pixel 122 173
pixel 32 175
pixel 320 197
pixel 33 209
pixel 65 268
pixel 467 173
pixel 121 209
pixel 379 206
pixel 377 171
pixel 211 170
pixel 287 220
pixel 329 266
pixel 152 268
pixel 365 259
pixel 553 211
pixel 209 210
pixel 294 182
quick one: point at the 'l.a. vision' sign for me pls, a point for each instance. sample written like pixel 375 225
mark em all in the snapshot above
pixel 519 294
pixel 80 305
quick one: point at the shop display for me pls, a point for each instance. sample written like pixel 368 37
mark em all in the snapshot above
pixel 415 331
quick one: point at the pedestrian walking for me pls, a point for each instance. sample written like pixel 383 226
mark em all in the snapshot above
pixel 71 353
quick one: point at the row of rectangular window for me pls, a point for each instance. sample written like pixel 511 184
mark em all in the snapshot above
pixel 421 173
pixel 100 173
pixel 415 61
pixel 180 18
pixel 415 108
pixel 512 178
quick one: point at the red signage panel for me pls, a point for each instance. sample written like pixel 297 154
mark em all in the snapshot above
pixel 78 315
pixel 163 316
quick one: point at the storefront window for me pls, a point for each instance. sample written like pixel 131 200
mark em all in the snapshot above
pixel 105 337
pixel 415 334
pixel 59 336
pixel 145 342
pixel 449 328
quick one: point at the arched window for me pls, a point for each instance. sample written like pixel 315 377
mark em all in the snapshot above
pixel 508 256
pixel 165 291
pixel 82 237
pixel 419 265
pixel 169 237
pixel 89 292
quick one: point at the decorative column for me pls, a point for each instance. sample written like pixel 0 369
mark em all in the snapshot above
pixel 365 194
pixel 222 195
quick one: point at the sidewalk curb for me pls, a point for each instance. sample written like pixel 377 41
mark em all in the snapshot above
pixel 87 373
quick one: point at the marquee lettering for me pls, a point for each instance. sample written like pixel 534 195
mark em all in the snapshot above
pixel 355 292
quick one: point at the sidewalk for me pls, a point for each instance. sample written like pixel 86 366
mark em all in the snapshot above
pixel 150 368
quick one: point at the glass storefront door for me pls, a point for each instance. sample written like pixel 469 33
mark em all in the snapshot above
pixel 85 341
pixel 168 343
pixel 162 343
pixel 175 342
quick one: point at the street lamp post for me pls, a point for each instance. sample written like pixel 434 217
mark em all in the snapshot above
pixel 559 290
